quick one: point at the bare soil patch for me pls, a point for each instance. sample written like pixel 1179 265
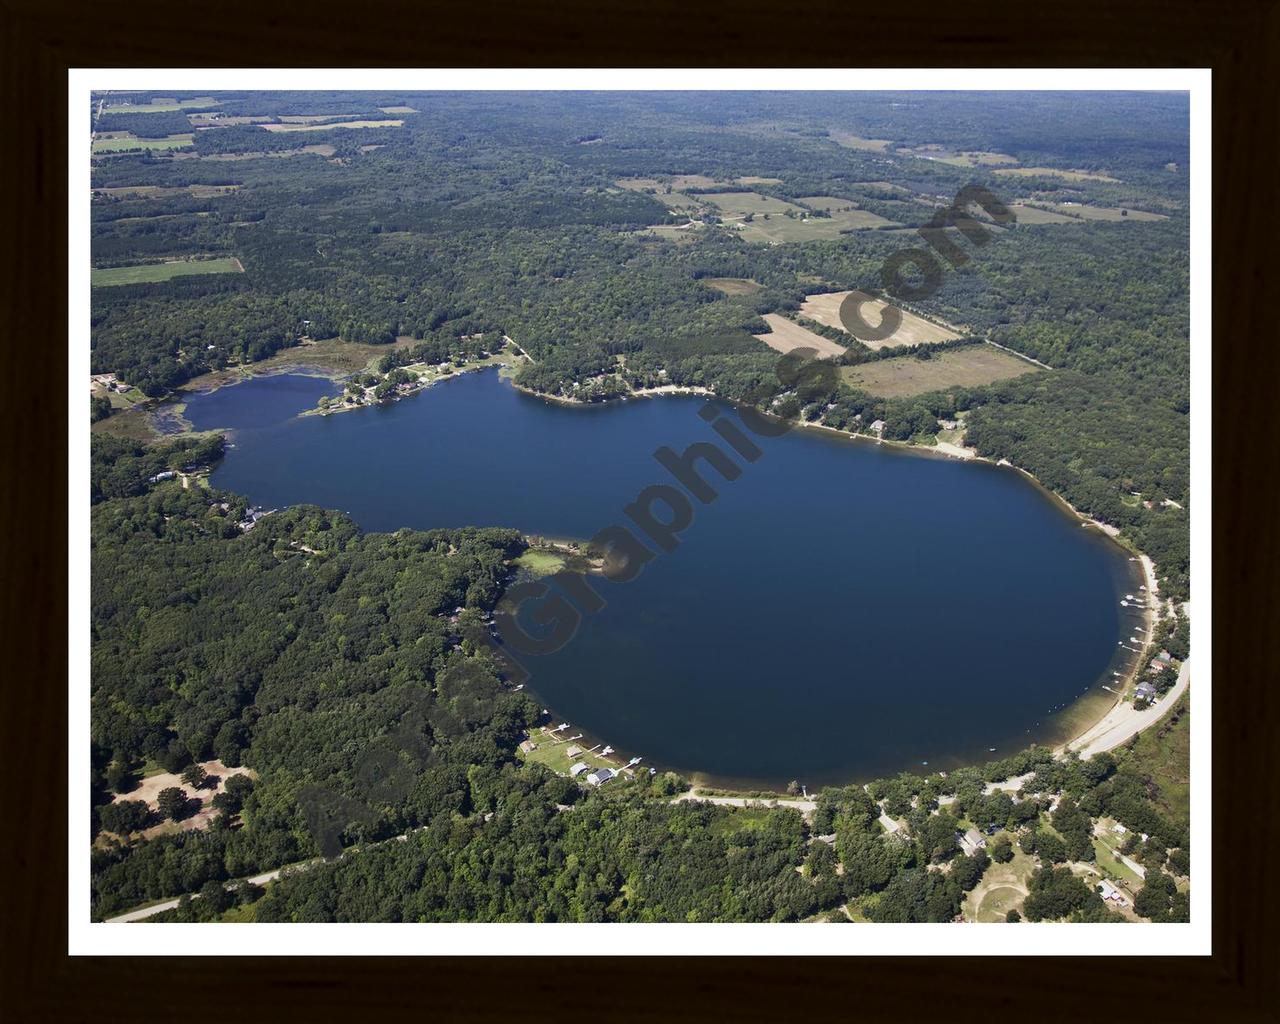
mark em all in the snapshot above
pixel 788 335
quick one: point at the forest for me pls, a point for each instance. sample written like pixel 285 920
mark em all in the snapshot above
pixel 298 647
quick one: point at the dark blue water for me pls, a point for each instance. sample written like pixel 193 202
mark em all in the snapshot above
pixel 842 611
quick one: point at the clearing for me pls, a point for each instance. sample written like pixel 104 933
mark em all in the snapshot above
pixel 124 143
pixel 149 272
pixel 676 181
pixel 914 330
pixel 851 141
pixel 732 285
pixel 148 791
pixel 159 106
pixel 752 180
pixel 305 127
pixel 1003 888
pixel 788 335
pixel 965 158
pixel 160 191
pixel 1054 172
pixel 966 367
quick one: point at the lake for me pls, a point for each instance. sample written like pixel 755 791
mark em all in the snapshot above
pixel 842 611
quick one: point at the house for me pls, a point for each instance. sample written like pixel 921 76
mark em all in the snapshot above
pixel 1145 691
pixel 573 752
pixel 1108 891
pixel 1119 829
pixel 578 769
pixel 168 474
pixel 528 746
pixel 972 841
pixel 1165 658
pixel 601 776
pixel 877 427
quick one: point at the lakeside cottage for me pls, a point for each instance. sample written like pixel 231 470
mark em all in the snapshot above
pixel 578 769
pixel 601 776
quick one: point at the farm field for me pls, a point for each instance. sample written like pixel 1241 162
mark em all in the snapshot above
pixel 319 149
pixel 1035 215
pixel 676 181
pixel 943 155
pixel 851 141
pixel 913 330
pixel 398 110
pixel 1103 213
pixel 753 180
pixel 732 285
pixel 159 191
pixel 119 144
pixel 776 221
pixel 905 376
pixel 736 205
pixel 788 335
pixel 147 273
pixel 330 125
pixel 1035 172
pixel 672 232
pixel 159 106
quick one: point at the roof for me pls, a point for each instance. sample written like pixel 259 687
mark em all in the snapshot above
pixel 578 769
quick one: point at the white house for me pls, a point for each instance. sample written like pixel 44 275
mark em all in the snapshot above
pixel 600 776
pixel 578 769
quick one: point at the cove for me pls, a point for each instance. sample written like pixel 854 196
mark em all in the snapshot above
pixel 843 611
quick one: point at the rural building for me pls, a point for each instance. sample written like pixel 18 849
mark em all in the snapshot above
pixel 578 769
pixel 573 752
pixel 972 841
pixel 601 776
pixel 528 746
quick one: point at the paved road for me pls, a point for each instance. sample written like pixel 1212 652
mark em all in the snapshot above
pixel 1124 721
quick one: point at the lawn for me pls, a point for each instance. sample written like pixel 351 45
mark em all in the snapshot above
pixel 966 367
pixel 147 273
pixel 120 144
pixel 552 752
pixel 914 330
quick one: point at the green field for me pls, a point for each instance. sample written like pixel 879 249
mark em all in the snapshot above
pixel 121 144
pixel 147 273
pixel 1103 213
pixel 1164 754
pixel 966 367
